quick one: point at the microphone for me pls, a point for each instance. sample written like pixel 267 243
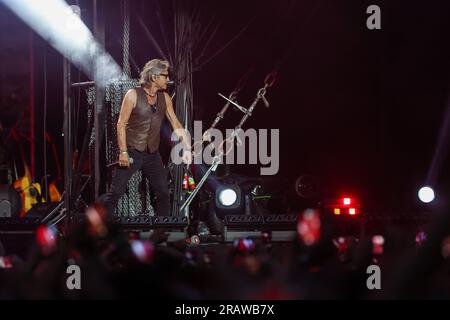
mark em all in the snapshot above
pixel 170 82
pixel 130 160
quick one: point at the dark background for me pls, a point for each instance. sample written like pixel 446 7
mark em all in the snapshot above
pixel 358 109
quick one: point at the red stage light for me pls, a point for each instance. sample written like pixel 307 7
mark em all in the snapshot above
pixel 45 236
pixel 309 226
pixel 46 239
pixel 377 244
pixel 244 245
pixel 343 206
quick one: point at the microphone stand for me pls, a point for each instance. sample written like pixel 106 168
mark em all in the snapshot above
pixel 247 114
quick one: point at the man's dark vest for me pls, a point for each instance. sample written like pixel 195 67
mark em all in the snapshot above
pixel 144 124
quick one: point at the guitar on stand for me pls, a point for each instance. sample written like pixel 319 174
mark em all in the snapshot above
pixel 30 192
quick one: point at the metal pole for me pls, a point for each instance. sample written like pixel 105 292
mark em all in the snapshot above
pixel 31 106
pixel 67 131
pixel 216 161
pixel 99 33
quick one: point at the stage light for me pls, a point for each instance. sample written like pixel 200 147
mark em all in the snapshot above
pixel 143 250
pixel 95 215
pixel 6 262
pixel 377 244
pixel 45 236
pixel 426 194
pixel 228 200
pixel 342 245
pixel 61 26
pixel 227 197
pixel 245 245
pixel 339 206
pixel 420 238
pixel 309 226
pixel 46 239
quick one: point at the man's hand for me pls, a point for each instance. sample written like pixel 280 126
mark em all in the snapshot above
pixel 187 157
pixel 206 136
pixel 124 161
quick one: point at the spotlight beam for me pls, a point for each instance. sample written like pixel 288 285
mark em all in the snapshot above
pixel 441 148
pixel 56 22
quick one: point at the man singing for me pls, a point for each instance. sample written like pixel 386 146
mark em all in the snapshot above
pixel 138 134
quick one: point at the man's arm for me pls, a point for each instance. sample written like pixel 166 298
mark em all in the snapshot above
pixel 175 123
pixel 128 104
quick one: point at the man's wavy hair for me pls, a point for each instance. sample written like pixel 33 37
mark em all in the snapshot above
pixel 153 68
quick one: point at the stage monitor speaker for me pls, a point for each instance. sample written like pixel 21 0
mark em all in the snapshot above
pixel 10 204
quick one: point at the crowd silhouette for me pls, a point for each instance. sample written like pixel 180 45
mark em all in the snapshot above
pixel 319 263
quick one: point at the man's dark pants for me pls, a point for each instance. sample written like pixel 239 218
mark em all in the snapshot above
pixel 152 168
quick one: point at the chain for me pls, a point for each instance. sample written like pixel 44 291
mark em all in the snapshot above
pixel 270 79
pixel 126 39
